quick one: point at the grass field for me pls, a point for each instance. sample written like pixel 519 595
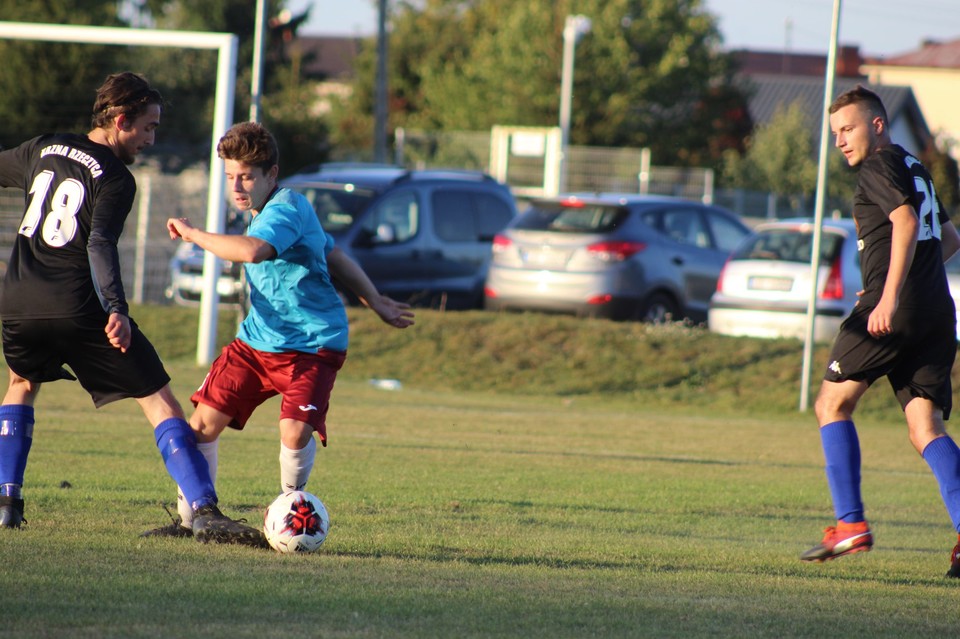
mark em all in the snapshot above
pixel 493 511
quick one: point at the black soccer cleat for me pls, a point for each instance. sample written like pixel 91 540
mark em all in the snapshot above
pixel 11 512
pixel 211 525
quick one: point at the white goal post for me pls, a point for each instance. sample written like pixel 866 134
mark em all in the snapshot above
pixel 226 45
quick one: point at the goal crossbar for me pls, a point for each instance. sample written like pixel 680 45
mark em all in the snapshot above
pixel 226 45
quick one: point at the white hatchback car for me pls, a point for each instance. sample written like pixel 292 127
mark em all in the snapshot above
pixel 764 288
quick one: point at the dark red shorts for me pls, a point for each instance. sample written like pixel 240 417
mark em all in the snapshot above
pixel 243 377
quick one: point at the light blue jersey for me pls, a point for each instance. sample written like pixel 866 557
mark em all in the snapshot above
pixel 294 306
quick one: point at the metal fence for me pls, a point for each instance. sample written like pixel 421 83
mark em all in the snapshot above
pixel 145 247
pixel 585 168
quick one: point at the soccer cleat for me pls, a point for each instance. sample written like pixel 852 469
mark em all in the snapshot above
pixel 955 561
pixel 211 525
pixel 11 512
pixel 839 540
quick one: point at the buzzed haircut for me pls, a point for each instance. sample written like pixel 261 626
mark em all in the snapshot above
pixel 860 95
pixel 249 143
pixel 123 93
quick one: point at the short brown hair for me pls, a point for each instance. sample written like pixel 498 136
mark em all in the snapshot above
pixel 863 96
pixel 251 144
pixel 127 94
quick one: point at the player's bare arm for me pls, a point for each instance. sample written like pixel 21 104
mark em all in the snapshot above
pixel 903 245
pixel 236 248
pixel 345 269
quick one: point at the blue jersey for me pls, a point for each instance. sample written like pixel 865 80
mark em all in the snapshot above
pixel 294 306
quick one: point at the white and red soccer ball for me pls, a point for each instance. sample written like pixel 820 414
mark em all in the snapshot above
pixel 296 522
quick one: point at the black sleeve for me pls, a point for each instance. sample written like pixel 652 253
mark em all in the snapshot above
pixel 109 215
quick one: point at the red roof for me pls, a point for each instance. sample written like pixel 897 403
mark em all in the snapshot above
pixel 752 62
pixel 943 55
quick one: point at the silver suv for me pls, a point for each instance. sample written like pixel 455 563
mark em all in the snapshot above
pixel 613 255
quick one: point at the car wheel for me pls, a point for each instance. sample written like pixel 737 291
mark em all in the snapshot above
pixel 659 308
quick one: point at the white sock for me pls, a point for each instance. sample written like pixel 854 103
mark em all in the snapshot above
pixel 210 452
pixel 295 466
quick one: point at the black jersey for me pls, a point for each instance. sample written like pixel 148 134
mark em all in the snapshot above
pixel 65 261
pixel 888 179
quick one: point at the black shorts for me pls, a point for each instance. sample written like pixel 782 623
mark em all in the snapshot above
pixel 37 349
pixel 916 357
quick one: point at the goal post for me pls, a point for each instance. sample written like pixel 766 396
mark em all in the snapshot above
pixel 226 46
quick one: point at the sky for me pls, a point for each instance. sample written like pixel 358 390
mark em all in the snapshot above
pixel 878 27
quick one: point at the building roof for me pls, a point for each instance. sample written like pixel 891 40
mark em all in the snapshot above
pixel 770 92
pixel 327 57
pixel 752 62
pixel 931 54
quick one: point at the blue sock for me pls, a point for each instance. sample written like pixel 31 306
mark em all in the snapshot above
pixel 185 463
pixel 16 437
pixel 841 449
pixel 943 457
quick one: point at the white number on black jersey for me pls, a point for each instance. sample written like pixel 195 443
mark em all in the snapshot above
pixel 929 212
pixel 60 225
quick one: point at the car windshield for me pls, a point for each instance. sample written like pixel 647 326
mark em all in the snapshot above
pixel 789 245
pixel 337 206
pixel 571 219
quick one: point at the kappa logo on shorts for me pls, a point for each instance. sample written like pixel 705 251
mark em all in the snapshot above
pixel 308 407
pixel 834 366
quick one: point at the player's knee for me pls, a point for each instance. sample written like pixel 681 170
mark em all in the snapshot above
pixel 830 407
pixel 295 434
pixel 21 390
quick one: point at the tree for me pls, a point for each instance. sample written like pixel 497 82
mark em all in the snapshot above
pixel 780 159
pixel 187 78
pixel 649 73
pixel 779 156
pixel 946 177
pixel 50 86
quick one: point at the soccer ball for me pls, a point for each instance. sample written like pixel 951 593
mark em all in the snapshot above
pixel 296 522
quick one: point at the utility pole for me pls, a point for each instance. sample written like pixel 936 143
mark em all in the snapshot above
pixel 380 106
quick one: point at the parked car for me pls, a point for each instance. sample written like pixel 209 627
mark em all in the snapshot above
pixel 186 272
pixel 764 289
pixel 422 236
pixel 953 279
pixel 613 255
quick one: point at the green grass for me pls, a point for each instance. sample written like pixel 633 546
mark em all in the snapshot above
pixel 536 477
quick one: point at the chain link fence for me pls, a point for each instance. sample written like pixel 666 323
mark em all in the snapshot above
pixel 145 246
pixel 146 249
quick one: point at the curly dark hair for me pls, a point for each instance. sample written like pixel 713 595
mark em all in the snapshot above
pixel 125 93
pixel 250 143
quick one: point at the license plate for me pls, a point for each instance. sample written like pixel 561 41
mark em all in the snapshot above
pixel 545 258
pixel 781 284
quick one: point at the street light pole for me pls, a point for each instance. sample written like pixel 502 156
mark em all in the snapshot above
pixel 380 106
pixel 574 28
pixel 256 81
